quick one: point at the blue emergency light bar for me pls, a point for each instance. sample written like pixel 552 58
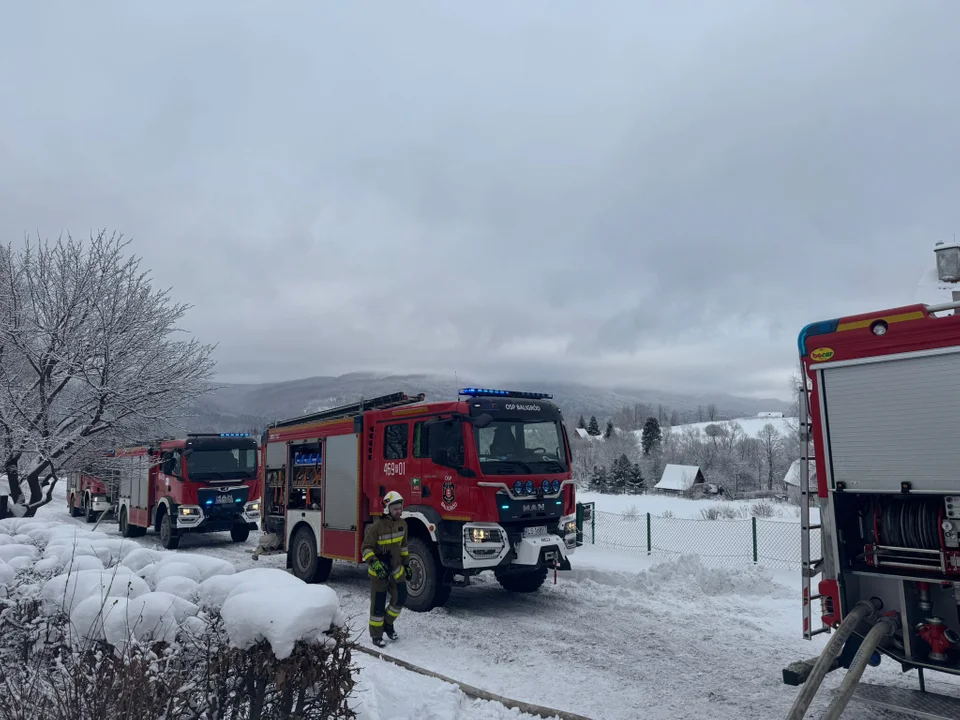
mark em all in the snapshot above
pixel 234 434
pixel 487 392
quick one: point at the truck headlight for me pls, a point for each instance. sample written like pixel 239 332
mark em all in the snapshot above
pixel 188 510
pixel 253 506
pixel 482 535
pixel 569 527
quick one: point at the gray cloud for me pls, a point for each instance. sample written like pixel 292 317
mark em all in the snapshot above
pixel 629 195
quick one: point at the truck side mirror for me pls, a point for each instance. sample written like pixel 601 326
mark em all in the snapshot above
pixel 482 421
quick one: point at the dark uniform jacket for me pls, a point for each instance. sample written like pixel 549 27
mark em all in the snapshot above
pixel 386 541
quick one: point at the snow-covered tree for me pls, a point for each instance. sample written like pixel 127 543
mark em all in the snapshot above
pixel 581 423
pixel 89 356
pixel 599 479
pixel 636 483
pixel 651 435
pixel 594 427
pixel 609 429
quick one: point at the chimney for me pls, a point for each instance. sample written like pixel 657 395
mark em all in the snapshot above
pixel 948 262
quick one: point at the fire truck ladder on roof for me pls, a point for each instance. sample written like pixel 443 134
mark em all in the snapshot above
pixel 384 402
pixel 810 568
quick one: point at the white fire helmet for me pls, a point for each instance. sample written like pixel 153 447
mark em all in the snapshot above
pixel 392 500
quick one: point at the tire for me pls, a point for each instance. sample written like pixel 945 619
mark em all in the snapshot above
pixel 74 510
pixel 168 534
pixel 240 533
pixel 425 587
pixel 88 512
pixel 522 582
pixel 306 564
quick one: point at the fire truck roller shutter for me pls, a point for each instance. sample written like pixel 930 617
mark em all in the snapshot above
pixel 892 421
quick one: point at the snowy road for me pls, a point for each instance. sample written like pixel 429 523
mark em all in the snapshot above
pixel 616 638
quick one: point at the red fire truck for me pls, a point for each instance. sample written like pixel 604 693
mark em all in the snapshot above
pixel 88 495
pixel 485 479
pixel 201 483
pixel 879 412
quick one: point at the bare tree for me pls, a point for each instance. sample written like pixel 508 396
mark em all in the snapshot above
pixel 89 355
pixel 772 444
pixel 711 412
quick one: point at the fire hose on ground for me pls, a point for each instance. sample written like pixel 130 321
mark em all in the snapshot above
pixel 860 612
pixel 886 626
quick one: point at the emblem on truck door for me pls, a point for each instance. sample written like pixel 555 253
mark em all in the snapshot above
pixel 448 500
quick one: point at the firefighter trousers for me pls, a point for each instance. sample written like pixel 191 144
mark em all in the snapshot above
pixel 383 615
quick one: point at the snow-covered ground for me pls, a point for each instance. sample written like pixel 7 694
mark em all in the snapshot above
pixel 619 636
pixel 682 508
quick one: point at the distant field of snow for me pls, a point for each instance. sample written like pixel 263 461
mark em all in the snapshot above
pixel 751 425
pixel 678 507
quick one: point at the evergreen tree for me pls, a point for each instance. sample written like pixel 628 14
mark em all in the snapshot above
pixel 582 423
pixel 599 480
pixel 594 427
pixel 609 430
pixel 636 484
pixel 651 435
pixel 620 474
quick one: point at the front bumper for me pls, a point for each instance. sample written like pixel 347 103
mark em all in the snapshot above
pixel 487 546
pixel 100 504
pixel 193 517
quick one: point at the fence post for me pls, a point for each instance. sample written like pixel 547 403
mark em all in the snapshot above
pixel 755 553
pixel 649 543
pixel 593 523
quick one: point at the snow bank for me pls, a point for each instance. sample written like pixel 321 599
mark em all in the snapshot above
pixel 114 590
pixel 282 616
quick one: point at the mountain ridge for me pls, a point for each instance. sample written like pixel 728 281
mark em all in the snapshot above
pixel 251 406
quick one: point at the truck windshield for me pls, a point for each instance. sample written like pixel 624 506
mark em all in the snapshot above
pixel 514 448
pixel 227 464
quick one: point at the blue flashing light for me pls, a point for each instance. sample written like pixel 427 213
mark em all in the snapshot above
pixel 504 507
pixel 239 500
pixel 234 434
pixel 823 327
pixel 490 392
pixel 545 485
pixel 208 502
pixel 556 486
pixel 559 502
pixel 531 488
pixel 518 487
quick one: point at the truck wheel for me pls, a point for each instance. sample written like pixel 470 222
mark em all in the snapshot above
pixel 88 512
pixel 240 533
pixel 425 587
pixel 306 564
pixel 74 511
pixel 522 582
pixel 168 536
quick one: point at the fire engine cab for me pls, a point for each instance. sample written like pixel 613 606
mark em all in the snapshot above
pixel 879 415
pixel 202 483
pixel 485 479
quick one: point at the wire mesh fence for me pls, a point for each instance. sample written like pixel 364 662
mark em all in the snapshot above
pixel 774 543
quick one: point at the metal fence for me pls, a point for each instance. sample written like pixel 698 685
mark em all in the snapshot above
pixel 774 543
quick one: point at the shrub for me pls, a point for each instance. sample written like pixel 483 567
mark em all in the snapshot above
pixel 52 674
pixel 631 513
pixel 668 514
pixel 710 513
pixel 763 509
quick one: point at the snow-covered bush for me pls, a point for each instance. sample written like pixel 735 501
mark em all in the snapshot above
pixel 763 509
pixel 156 634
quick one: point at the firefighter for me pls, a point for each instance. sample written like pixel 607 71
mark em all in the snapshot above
pixel 384 549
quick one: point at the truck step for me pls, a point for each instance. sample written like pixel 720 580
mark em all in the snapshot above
pixel 913 703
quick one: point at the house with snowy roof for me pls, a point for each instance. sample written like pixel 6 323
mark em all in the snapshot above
pixel 791 480
pixel 679 479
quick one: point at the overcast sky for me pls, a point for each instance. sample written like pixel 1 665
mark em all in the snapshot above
pixel 643 193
